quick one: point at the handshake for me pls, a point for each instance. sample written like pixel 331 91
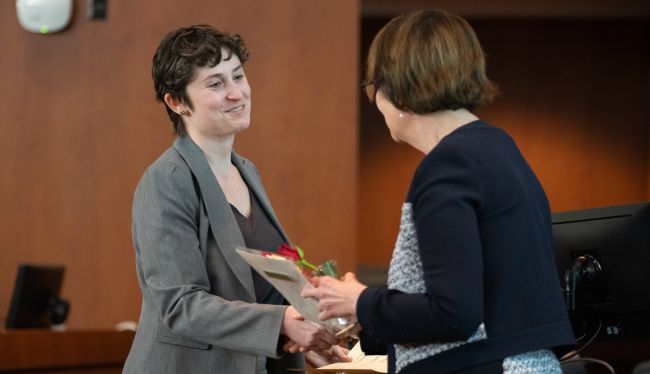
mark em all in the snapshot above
pixel 336 301
pixel 322 314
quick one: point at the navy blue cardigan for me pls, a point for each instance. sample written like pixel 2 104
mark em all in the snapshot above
pixel 484 232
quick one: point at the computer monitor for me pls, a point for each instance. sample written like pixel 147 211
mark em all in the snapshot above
pixel 35 302
pixel 603 259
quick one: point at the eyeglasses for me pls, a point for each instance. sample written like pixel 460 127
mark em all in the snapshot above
pixel 371 88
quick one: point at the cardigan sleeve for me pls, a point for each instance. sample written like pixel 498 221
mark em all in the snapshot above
pixel 445 194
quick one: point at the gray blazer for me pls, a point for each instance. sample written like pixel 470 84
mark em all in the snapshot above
pixel 198 303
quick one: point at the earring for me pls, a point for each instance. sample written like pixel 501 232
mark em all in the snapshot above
pixel 183 112
pixel 401 114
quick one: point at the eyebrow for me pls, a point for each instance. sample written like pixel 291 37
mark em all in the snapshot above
pixel 219 75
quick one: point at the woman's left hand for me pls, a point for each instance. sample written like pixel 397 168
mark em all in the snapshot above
pixel 335 298
pixel 316 358
pixel 329 356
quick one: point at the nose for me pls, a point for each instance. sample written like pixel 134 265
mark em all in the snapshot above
pixel 235 92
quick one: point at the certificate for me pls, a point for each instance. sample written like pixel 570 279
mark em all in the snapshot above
pixel 287 278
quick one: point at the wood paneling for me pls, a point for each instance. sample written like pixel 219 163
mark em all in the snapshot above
pixel 79 125
pixel 80 351
pixel 575 99
pixel 514 8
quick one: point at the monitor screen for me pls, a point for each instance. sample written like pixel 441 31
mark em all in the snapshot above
pixel 603 259
pixel 35 301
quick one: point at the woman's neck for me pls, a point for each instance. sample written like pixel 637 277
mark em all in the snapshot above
pixel 426 131
pixel 218 152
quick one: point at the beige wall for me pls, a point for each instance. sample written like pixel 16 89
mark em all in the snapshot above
pixel 79 125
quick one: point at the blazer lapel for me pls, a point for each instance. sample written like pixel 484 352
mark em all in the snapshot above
pixel 222 220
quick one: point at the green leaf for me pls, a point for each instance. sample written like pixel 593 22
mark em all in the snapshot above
pixel 329 268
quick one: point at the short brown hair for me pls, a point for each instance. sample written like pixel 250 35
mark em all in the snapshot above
pixel 427 61
pixel 183 50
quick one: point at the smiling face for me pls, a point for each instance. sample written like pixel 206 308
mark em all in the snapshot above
pixel 220 100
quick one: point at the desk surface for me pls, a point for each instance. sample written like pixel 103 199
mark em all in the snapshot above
pixel 45 349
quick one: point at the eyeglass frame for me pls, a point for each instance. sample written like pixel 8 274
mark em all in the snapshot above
pixel 371 88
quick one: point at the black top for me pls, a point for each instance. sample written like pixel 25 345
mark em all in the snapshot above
pixel 483 230
pixel 260 233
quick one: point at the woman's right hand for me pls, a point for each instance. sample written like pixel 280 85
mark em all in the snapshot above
pixel 336 298
pixel 308 335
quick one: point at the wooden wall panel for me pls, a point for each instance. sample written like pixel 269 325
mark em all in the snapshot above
pixel 79 124
pixel 514 8
pixel 575 99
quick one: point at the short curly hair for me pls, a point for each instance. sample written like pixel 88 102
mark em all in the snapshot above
pixel 182 51
pixel 429 60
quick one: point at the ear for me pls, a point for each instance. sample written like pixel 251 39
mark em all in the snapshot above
pixel 174 104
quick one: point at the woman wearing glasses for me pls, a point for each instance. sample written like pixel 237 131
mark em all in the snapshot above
pixel 472 285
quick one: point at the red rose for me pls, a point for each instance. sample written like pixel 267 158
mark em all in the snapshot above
pixel 288 251
pixel 297 255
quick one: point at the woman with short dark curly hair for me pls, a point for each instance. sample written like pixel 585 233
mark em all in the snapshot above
pixel 203 308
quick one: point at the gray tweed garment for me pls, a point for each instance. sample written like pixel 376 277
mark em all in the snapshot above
pixel 406 275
